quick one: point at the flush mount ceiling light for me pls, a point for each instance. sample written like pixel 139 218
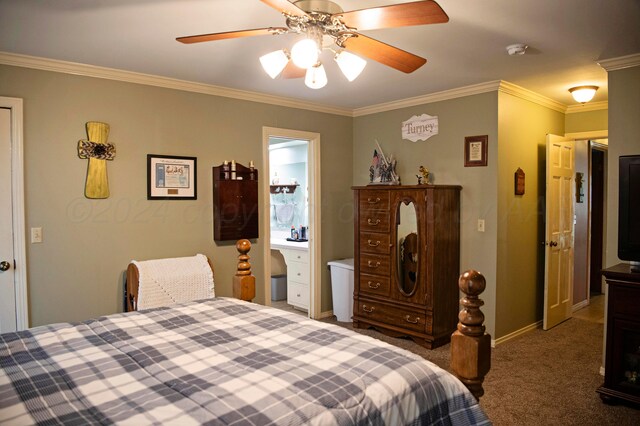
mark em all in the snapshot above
pixel 324 24
pixel 516 49
pixel 583 94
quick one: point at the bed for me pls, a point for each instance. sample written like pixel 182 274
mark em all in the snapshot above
pixel 220 361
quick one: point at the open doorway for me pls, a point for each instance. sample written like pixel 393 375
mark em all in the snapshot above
pixel 590 219
pixel 598 202
pixel 292 224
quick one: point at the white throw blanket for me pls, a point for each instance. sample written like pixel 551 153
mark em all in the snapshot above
pixel 164 282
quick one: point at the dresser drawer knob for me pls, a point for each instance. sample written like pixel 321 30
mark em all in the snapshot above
pixel 408 319
pixel 372 264
pixel 373 222
pixel 373 244
pixel 377 285
pixel 373 200
pixel 299 274
pixel 366 309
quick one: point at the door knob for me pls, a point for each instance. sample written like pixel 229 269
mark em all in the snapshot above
pixel 4 265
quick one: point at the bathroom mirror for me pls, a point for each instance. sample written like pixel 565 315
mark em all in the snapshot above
pixel 407 247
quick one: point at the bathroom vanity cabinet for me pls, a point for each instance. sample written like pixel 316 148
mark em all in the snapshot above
pixel 298 276
pixel 235 202
pixel 407 261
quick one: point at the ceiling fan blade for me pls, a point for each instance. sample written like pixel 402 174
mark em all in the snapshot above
pixel 231 34
pixel 395 15
pixel 292 71
pixel 284 6
pixel 384 53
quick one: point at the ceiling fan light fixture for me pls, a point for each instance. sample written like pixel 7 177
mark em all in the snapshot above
pixel 350 64
pixel 305 53
pixel 273 63
pixel 316 77
pixel 583 94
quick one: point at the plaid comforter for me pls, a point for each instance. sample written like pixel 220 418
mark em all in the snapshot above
pixel 220 362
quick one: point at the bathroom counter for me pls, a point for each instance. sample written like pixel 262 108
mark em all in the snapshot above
pixel 282 243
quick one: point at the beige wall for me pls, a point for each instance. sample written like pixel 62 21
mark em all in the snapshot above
pixel 522 130
pixel 443 155
pixel 624 139
pixel 586 121
pixel 76 273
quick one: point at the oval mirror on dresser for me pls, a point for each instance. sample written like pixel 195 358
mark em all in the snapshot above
pixel 407 247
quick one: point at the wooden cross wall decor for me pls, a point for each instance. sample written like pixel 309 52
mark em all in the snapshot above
pixel 98 151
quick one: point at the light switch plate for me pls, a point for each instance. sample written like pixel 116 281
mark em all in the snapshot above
pixel 480 225
pixel 36 235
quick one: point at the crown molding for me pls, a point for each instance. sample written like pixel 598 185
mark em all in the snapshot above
pixel 526 94
pixel 430 98
pixel 589 106
pixel 75 68
pixel 620 62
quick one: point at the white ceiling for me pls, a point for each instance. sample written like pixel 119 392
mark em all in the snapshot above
pixel 566 39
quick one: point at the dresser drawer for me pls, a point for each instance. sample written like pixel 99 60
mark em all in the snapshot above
pixel 373 242
pixel 397 316
pixel 298 272
pixel 374 221
pixel 374 264
pixel 378 200
pixel 374 284
pixel 298 295
pixel 292 255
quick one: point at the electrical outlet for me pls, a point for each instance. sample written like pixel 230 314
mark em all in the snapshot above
pixel 480 225
pixel 36 235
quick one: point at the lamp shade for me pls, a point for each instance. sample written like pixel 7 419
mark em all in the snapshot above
pixel 305 53
pixel 350 64
pixel 583 94
pixel 274 62
pixel 316 77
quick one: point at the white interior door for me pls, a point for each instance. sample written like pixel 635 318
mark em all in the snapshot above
pixel 559 231
pixel 7 281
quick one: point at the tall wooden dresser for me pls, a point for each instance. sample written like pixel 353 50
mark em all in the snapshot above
pixel 407 261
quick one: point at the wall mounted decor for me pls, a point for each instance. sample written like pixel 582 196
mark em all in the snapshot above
pixel 98 151
pixel 519 182
pixel 475 150
pixel 420 127
pixel 579 187
pixel 235 203
pixel 171 178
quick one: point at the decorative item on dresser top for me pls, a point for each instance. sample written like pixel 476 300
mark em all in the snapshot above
pixel 407 251
pixel 218 361
pixel 235 202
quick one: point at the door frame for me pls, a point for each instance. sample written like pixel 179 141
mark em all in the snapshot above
pixel 17 193
pixel 315 232
pixel 591 136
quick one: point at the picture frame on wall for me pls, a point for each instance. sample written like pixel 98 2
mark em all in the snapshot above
pixel 171 177
pixel 475 151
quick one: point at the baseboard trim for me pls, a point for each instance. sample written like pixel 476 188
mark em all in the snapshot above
pixel 515 334
pixel 325 314
pixel 580 305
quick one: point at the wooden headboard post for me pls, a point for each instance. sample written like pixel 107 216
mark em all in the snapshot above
pixel 470 345
pixel 244 284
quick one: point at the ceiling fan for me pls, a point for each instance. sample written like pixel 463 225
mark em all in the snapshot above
pixel 324 23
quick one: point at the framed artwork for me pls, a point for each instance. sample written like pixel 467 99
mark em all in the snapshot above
pixel 475 150
pixel 171 178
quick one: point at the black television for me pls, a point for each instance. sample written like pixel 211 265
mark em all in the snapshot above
pixel 629 211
